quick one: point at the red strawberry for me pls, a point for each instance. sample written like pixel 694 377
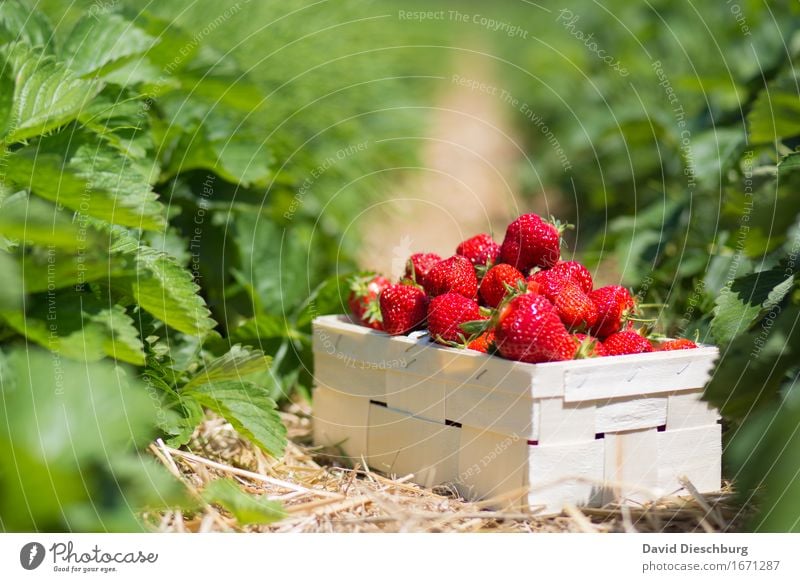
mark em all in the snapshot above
pixel 677 344
pixel 483 342
pixel 575 271
pixel 528 330
pixel 447 312
pixel 588 346
pixel 455 274
pixel 626 342
pixel 548 283
pixel 480 250
pixel 493 286
pixel 418 266
pixel 574 307
pixel 403 308
pixel 614 304
pixel 531 242
pixel 363 299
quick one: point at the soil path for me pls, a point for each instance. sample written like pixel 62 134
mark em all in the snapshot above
pixel 466 183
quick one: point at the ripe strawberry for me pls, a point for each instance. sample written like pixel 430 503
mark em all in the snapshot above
pixel 447 312
pixel 528 330
pixel 483 342
pixel 614 304
pixel 547 282
pixel 363 299
pixel 575 271
pixel 588 346
pixel 419 264
pixel 403 308
pixel 677 344
pixel 574 307
pixel 531 242
pixel 626 342
pixel 494 284
pixel 480 250
pixel 455 274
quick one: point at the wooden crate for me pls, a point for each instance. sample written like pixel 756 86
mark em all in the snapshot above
pixel 584 432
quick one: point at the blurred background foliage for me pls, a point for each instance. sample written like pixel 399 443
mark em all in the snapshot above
pixel 666 131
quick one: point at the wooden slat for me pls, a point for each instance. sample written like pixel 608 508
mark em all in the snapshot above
pixel 492 466
pixel 567 473
pixel 418 395
pixel 639 374
pixel 398 443
pixel 635 412
pixel 515 415
pixel 565 422
pixel 631 465
pixel 693 452
pixel 687 410
pixel 340 419
pixel 356 378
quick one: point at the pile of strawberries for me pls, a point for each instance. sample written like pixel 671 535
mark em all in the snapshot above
pixel 517 299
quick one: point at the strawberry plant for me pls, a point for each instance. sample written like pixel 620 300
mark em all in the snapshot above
pixel 681 173
pixel 160 246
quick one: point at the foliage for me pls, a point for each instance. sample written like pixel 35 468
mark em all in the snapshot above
pixel 683 177
pixel 157 238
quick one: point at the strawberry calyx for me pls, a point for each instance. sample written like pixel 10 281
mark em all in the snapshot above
pixel 586 348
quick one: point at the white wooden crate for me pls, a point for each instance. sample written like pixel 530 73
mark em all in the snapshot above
pixel 522 435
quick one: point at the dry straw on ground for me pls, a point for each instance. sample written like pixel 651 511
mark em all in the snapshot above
pixel 322 497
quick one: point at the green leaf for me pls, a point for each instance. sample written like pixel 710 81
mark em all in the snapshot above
pixel 68 411
pixel 738 307
pixel 764 454
pixel 237 364
pixel 753 365
pixel 69 428
pixel 120 118
pixel 19 22
pixel 46 269
pixel 224 147
pixel 78 326
pixel 776 112
pixel 98 44
pixel 35 221
pixel 12 290
pixel 47 95
pixel 167 291
pixel 789 164
pixel 246 508
pixel 6 102
pixel 93 179
pixel 248 408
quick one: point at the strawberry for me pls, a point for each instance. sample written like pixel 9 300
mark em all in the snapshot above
pixel 481 250
pixel 530 242
pixel 447 312
pixel 548 283
pixel 576 272
pixel 677 344
pixel 626 342
pixel 496 283
pixel 455 274
pixel 574 307
pixel 363 300
pixel 528 330
pixel 614 305
pixel 483 342
pixel 588 346
pixel 403 308
pixel 418 266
